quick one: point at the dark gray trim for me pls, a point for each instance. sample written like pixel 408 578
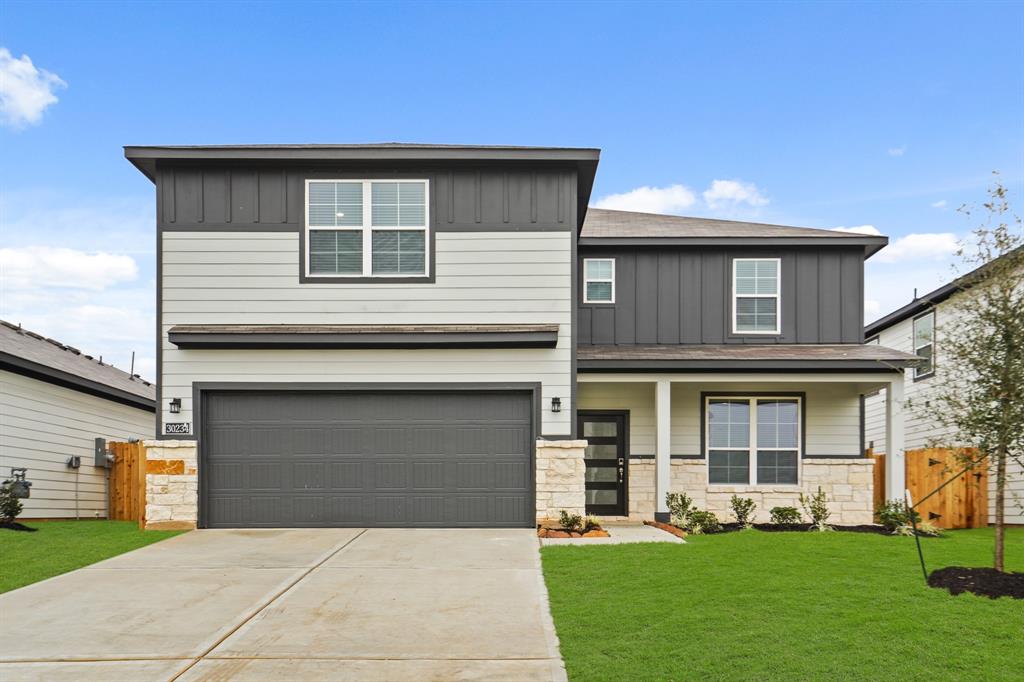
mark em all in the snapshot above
pixel 754 394
pixel 199 387
pixel 670 456
pixel 229 227
pixel 739 365
pixel 33 370
pixel 397 340
pixel 835 457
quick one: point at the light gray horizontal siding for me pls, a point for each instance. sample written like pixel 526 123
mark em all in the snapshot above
pixel 42 425
pixel 252 278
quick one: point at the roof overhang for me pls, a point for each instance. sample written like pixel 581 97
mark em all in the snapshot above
pixel 737 357
pixel 51 375
pixel 870 244
pixel 364 336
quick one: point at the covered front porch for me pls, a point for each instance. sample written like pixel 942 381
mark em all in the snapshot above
pixel 763 434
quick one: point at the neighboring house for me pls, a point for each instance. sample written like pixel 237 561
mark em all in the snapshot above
pixel 917 328
pixel 432 335
pixel 54 403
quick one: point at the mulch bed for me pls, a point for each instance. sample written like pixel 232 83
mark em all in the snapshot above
pixel 14 525
pixel 985 582
pixel 772 528
pixel 563 533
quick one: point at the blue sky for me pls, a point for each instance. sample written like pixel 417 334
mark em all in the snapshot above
pixel 869 115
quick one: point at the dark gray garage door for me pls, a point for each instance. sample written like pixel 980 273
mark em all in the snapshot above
pixel 290 459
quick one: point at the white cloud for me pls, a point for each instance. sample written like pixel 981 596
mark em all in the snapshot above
pixel 897 151
pixel 872 309
pixel 859 229
pixel 941 203
pixel 733 193
pixel 25 91
pixel 671 199
pixel 32 267
pixel 924 246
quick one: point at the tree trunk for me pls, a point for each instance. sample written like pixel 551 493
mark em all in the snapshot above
pixel 1000 500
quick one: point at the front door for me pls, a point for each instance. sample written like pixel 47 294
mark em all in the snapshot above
pixel 606 476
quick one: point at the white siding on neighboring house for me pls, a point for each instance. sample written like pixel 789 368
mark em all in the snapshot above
pixel 831 411
pixel 920 428
pixel 42 425
pixel 481 277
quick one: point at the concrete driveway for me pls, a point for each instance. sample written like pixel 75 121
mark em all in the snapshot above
pixel 338 604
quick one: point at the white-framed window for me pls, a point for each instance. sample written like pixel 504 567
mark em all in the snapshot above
pixel 924 344
pixel 753 440
pixel 755 296
pixel 367 228
pixel 599 280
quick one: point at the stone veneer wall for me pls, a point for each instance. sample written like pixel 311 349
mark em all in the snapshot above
pixel 172 484
pixel 847 482
pixel 561 478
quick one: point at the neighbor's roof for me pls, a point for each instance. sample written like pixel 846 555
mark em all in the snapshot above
pixel 739 356
pixel 604 226
pixel 31 354
pixel 932 298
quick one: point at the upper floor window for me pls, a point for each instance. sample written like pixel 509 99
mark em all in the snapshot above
pixel 924 344
pixel 367 228
pixel 599 280
pixel 755 293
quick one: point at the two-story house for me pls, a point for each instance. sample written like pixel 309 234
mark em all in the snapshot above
pixel 434 335
pixel 918 328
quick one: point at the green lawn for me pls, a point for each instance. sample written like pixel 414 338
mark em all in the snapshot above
pixel 755 605
pixel 62 546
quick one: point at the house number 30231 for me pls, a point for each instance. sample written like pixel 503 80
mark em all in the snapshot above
pixel 178 427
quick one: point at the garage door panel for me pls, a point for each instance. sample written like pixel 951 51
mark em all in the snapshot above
pixel 370 459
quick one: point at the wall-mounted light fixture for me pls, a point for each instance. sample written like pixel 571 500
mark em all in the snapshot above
pixel 175 405
pixel 556 404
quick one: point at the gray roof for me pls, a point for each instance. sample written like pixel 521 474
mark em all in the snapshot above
pixel 768 356
pixel 35 355
pixel 608 226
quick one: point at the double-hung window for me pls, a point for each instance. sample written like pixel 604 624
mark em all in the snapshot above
pixel 753 441
pixel 599 280
pixel 924 344
pixel 367 228
pixel 755 295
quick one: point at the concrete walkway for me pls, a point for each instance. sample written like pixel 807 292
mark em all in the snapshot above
pixel 324 604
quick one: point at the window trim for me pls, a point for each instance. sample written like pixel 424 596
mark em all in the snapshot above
pixel 921 376
pixel 586 299
pixel 367 229
pixel 777 296
pixel 752 398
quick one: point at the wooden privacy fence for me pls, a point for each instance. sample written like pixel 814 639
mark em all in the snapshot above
pixel 127 489
pixel 961 504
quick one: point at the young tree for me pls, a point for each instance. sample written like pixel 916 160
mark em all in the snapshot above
pixel 980 401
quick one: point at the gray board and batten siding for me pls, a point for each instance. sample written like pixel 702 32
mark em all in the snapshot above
pixel 680 295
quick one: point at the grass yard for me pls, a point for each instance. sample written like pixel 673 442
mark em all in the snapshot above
pixel 755 605
pixel 62 546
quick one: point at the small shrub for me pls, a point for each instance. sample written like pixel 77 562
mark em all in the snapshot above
pixel 591 523
pixel 679 506
pixel 743 509
pixel 570 522
pixel 893 515
pixel 785 516
pixel 699 521
pixel 10 506
pixel 816 507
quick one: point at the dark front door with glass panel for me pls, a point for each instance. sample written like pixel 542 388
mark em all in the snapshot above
pixel 605 458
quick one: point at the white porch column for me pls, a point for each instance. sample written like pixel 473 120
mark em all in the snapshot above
pixel 895 469
pixel 662 446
